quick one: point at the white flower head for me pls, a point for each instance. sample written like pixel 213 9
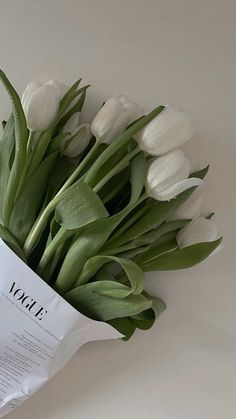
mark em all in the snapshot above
pixel 113 118
pixel 168 176
pixel 170 129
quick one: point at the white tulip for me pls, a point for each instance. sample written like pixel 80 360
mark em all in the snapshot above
pixel 40 104
pixel 76 144
pixel 72 124
pixel 167 131
pixel 190 209
pixel 61 88
pixel 198 231
pixel 30 89
pixel 113 118
pixel 167 176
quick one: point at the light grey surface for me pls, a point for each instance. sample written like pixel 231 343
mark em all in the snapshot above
pixel 155 51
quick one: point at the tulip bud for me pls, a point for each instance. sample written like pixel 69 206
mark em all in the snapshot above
pixel 167 131
pixel 113 118
pixel 76 144
pixel 190 209
pixel 198 231
pixel 167 176
pixel 40 104
pixel 72 124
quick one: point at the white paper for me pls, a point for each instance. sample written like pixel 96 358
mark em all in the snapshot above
pixel 39 331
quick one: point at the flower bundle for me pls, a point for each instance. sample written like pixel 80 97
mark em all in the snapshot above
pixel 91 208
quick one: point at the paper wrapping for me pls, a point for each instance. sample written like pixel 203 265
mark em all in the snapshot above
pixel 39 331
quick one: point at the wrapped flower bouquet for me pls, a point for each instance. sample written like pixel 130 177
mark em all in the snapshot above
pixel 86 210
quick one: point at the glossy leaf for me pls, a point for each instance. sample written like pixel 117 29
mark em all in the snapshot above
pixel 79 206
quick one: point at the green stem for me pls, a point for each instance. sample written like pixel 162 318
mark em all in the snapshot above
pixel 120 166
pixel 80 168
pixel 27 162
pixel 59 238
pixel 117 250
pixel 129 222
pixel 38 227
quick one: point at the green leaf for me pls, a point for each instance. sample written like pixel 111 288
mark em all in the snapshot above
pixel 85 245
pixel 158 247
pixel 79 206
pixel 75 108
pixel 7 144
pixel 159 212
pixel 30 199
pixel 11 242
pixel 21 135
pixel 164 228
pixel 182 258
pixel 69 96
pixel 124 326
pixel 134 274
pixel 39 151
pixel 144 320
pixel 111 162
pixel 62 170
pixel 56 142
pixel 138 172
pixel 91 301
pixel 114 186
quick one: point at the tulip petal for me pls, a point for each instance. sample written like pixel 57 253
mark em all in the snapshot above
pixel 30 89
pixel 71 125
pixel 61 88
pixel 75 145
pixel 198 231
pixel 103 123
pixel 113 118
pixel 42 108
pixel 169 130
pixel 190 209
pixel 177 188
pixel 166 171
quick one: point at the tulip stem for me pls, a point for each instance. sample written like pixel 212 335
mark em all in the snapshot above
pixel 79 169
pixel 59 238
pixel 129 222
pixel 120 166
pixel 29 144
pixel 27 162
pixel 43 219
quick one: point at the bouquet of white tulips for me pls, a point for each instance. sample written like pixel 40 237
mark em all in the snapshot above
pixel 89 208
